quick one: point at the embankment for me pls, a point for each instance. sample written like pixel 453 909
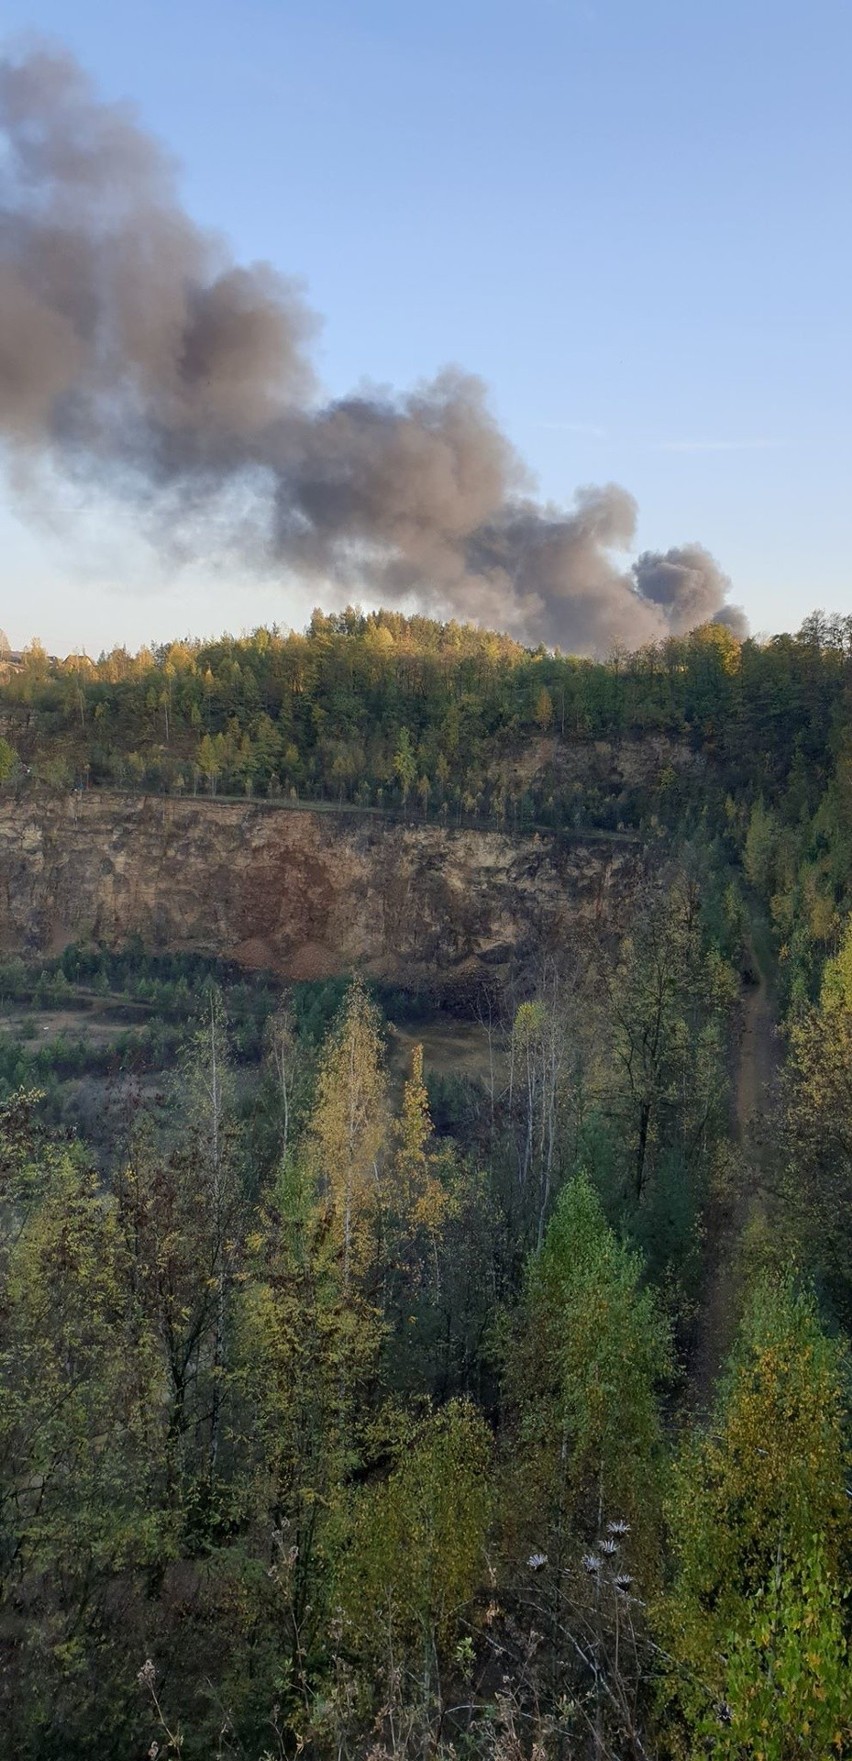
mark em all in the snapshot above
pixel 305 894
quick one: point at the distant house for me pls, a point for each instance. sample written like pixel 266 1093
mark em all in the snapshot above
pixel 11 660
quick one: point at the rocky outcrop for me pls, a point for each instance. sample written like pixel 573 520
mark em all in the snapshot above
pixel 305 893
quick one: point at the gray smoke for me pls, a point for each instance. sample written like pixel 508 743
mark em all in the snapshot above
pixel 138 358
pixel 688 584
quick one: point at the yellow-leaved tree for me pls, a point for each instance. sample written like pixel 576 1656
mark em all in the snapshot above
pixel 348 1132
pixel 309 1326
pixel 422 1196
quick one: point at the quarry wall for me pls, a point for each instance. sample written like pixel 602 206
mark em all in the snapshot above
pixel 306 893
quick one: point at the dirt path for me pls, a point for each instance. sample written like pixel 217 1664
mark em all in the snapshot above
pixel 757 1065
pixel 752 1102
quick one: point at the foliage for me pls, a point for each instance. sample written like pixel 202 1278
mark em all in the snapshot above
pixel 347 1131
pixel 413 1550
pixel 758 1514
pixel 9 761
pixel 590 1355
pixel 818 1121
pixel 341 1404
pixel 786 1681
pixel 378 710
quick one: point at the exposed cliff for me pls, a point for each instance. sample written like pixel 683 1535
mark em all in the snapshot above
pixel 307 894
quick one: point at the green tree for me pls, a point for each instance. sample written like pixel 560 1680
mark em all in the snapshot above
pixel 759 1517
pixel 405 764
pixel 785 1689
pixel 413 1550
pixel 209 760
pixel 306 1366
pixel 543 712
pixel 81 1445
pixel 836 990
pixel 590 1356
pixel 818 1135
pixel 182 1213
pixel 666 1000
pixel 9 761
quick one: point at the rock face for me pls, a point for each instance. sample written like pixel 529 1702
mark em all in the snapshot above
pixel 304 893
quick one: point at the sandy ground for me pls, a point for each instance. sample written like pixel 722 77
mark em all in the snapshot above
pixel 450 1048
pixel 98 1026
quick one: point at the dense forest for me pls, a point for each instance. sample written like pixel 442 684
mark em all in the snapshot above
pixel 747 744
pixel 357 1406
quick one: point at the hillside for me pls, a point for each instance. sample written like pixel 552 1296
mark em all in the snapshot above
pixel 425 1217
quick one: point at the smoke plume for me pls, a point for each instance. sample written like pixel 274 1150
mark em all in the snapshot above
pixel 688 584
pixel 137 357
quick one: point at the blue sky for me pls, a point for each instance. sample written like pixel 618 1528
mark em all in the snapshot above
pixel 631 217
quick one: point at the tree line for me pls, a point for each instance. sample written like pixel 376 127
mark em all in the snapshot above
pixel 382 711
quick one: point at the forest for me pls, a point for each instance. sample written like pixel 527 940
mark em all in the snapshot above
pixel 363 1404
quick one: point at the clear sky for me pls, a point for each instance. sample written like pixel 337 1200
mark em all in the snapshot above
pixel 631 217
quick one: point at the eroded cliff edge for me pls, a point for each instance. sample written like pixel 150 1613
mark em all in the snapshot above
pixel 305 893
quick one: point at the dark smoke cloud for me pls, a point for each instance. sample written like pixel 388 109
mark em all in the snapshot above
pixel 687 583
pixel 137 357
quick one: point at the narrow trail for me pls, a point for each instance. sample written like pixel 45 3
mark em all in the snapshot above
pixel 757 1065
pixel 752 1102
